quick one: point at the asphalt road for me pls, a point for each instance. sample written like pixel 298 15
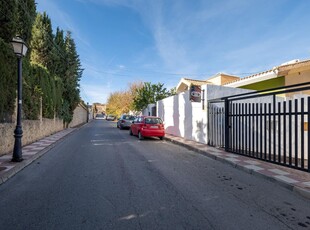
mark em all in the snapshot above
pixel 100 177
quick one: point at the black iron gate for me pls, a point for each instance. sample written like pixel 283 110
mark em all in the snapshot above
pixel 272 125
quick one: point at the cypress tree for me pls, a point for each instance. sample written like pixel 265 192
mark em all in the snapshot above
pixel 71 94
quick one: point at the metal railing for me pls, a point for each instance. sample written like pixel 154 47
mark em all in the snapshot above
pixel 272 125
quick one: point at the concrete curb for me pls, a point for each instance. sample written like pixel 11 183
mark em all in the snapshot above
pixel 296 189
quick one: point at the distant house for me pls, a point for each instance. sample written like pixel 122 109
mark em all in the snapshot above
pixel 289 73
pixel 99 108
pixel 218 79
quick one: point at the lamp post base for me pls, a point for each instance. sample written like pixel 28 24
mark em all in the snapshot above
pixel 17 159
pixel 17 151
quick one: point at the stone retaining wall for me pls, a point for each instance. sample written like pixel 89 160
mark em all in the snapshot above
pixel 79 116
pixel 34 130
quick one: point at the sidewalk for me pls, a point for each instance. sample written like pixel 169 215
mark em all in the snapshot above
pixel 292 179
pixel 30 153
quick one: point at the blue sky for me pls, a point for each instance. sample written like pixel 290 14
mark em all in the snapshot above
pixel 125 41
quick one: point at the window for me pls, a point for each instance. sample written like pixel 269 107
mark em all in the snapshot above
pixel 153 121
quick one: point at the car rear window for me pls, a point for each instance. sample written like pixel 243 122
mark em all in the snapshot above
pixel 128 117
pixel 152 120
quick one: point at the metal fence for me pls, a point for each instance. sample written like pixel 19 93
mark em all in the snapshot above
pixel 272 125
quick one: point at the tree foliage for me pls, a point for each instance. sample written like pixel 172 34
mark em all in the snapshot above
pixel 42 40
pixel 16 18
pixel 51 69
pixel 121 102
pixel 150 94
pixel 7 81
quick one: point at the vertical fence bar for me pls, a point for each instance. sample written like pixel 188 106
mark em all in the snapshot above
pixel 269 134
pixel 256 131
pixel 236 125
pixel 213 126
pixel 213 130
pixel 308 107
pixel 239 127
pixel 279 132
pixel 284 132
pixel 290 132
pixel 232 127
pixel 246 128
pixel 302 132
pixel 253 130
pixel 296 132
pixel 261 130
pixel 220 125
pixel 208 124
pixel 226 105
pixel 265 131
pixel 217 127
pixel 230 122
pixel 242 128
pixel 250 129
pixel 274 127
pixel 223 127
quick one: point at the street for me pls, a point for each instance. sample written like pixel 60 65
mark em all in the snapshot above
pixel 100 177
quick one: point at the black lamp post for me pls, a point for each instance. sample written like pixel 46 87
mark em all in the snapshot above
pixel 87 113
pixel 20 49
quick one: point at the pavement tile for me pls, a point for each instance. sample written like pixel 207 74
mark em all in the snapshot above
pixel 216 153
pixel 7 168
pixel 232 159
pixel 252 162
pixel 29 153
pixel 39 148
pixel 254 167
pixel 306 184
pixel 286 179
pixel 267 173
pixel 6 157
pixel 231 155
pixel 279 171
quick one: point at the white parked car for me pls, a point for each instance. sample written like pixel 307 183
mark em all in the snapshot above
pixel 100 117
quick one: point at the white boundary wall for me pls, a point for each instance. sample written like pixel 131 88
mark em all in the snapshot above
pixel 187 119
pixel 183 118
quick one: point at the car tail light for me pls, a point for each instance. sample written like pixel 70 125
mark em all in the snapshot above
pixel 123 121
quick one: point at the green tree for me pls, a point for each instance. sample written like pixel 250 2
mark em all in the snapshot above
pixel 51 69
pixel 25 18
pixel 150 94
pixel 42 40
pixel 8 18
pixel 71 79
pixel 16 18
pixel 8 76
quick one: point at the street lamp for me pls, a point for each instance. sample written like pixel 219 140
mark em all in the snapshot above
pixel 20 50
pixel 87 112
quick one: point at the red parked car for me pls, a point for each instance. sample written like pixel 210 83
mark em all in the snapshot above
pixel 147 126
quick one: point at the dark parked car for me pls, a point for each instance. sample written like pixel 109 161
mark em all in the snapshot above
pixel 147 126
pixel 125 121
